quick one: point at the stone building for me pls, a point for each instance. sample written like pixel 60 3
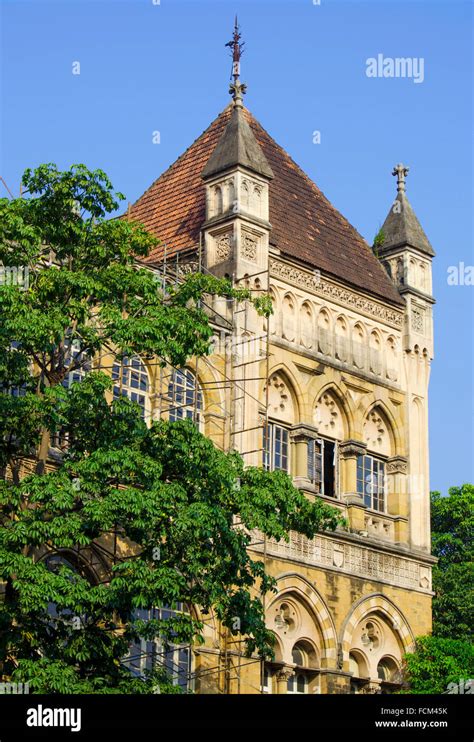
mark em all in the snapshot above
pixel 334 391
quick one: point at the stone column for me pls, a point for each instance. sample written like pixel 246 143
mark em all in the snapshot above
pixel 396 469
pixel 282 677
pixel 348 452
pixel 300 435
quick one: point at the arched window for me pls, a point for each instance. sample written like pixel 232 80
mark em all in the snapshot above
pixel 387 670
pixel 185 397
pixel 130 379
pixel 276 435
pixel 323 455
pixel 412 273
pixel 360 673
pixel 147 654
pixel 304 655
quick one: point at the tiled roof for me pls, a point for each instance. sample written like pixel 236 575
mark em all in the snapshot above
pixel 305 225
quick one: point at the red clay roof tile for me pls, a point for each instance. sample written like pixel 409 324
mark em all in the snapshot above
pixel 305 225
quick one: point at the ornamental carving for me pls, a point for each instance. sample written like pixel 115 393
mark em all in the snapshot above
pixel 397 465
pixel 376 433
pixel 327 417
pixel 350 449
pixel 280 404
pixel 249 246
pixel 223 247
pixel 417 320
pixel 286 618
pixel 317 285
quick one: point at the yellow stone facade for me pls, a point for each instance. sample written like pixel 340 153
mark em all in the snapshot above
pixel 341 366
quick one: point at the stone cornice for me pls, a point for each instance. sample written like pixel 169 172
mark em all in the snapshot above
pixel 313 282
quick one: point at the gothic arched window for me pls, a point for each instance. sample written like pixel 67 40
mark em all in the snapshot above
pixel 130 379
pixel 185 397
pixel 146 654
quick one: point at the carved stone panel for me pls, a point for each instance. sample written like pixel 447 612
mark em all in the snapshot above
pixel 249 245
pixel 223 247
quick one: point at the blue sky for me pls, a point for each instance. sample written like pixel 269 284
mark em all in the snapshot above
pixel 148 67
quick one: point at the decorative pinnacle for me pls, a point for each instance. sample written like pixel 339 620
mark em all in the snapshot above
pixel 237 89
pixel 401 171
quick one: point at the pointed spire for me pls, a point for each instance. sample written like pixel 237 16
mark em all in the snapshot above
pixel 401 227
pixel 237 145
pixel 237 89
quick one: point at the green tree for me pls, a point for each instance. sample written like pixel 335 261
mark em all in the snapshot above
pixel 448 655
pixel 169 510
pixel 437 662
pixel 452 524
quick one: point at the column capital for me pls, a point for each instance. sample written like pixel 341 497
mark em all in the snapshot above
pixel 301 432
pixel 351 448
pixel 397 465
pixel 285 673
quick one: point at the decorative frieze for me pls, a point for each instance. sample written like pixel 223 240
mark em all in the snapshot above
pixel 361 561
pixel 313 282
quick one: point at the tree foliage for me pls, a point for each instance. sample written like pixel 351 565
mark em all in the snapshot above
pixel 452 523
pixel 448 655
pixel 437 662
pixel 166 514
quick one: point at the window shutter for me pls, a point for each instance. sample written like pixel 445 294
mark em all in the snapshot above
pixel 318 462
pixel 311 471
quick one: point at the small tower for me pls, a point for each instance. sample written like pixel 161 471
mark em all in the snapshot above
pixel 236 177
pixel 236 239
pixel 407 255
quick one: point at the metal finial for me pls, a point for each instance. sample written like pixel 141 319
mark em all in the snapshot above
pixel 401 171
pixel 237 89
